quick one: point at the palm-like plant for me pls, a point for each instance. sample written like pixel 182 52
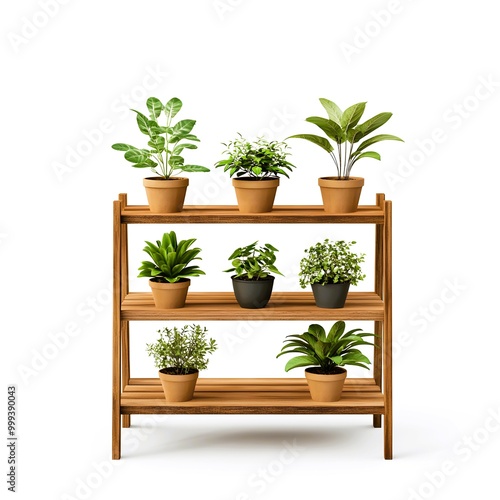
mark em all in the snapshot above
pixel 342 127
pixel 170 259
pixel 326 352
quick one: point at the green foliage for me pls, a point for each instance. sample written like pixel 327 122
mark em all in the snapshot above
pixel 170 259
pixel 342 128
pixel 182 349
pixel 338 348
pixel 253 262
pixel 166 143
pixel 260 159
pixel 331 263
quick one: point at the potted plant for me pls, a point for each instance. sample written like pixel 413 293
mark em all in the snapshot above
pixel 341 193
pixel 257 167
pixel 169 271
pixel 166 143
pixel 252 281
pixel 325 355
pixel 180 354
pixel 330 268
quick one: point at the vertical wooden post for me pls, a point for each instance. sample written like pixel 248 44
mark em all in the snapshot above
pixel 125 289
pixel 116 362
pixel 378 288
pixel 387 361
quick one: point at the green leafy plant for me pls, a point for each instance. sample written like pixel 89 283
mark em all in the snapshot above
pixel 327 352
pixel 329 262
pixel 260 160
pixel 166 142
pixel 170 259
pixel 182 350
pixel 342 127
pixel 253 262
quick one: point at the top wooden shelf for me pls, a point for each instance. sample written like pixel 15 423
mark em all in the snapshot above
pixel 229 214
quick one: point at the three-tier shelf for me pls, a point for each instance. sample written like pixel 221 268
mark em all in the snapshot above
pixel 370 396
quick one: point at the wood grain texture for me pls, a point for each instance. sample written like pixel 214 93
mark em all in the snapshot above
pixel 218 306
pixel 252 396
pixel 229 214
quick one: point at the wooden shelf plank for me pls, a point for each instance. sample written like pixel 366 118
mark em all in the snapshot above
pixel 252 396
pixel 219 306
pixel 229 214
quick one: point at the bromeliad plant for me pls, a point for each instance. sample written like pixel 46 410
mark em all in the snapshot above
pixel 343 129
pixel 254 263
pixel 326 352
pixel 170 259
pixel 329 262
pixel 166 142
pixel 260 160
pixel 182 350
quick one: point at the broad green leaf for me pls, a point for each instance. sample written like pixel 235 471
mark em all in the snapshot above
pixel 172 108
pixel 146 164
pixel 155 107
pixel 136 156
pixel 351 116
pixel 142 122
pixel 157 142
pixel 367 154
pixel 375 139
pixel 318 331
pixel 315 139
pixel 194 168
pixel 334 112
pixel 329 127
pixel 183 127
pixel 178 149
pixel 299 361
pixel 122 147
pixel 336 331
pixel 373 124
pixel 176 161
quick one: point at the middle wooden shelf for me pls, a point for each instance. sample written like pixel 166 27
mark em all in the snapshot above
pixel 216 306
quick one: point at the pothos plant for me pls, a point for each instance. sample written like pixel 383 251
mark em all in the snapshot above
pixel 343 128
pixel 328 262
pixel 253 262
pixel 166 142
pixel 259 160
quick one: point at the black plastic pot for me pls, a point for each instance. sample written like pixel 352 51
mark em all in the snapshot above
pixel 252 294
pixel 331 295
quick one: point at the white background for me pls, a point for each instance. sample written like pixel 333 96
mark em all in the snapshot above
pixel 255 67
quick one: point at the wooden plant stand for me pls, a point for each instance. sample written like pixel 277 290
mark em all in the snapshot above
pixel 372 396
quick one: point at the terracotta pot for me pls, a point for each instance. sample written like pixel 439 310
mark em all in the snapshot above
pixel 340 196
pixel 255 196
pixel 330 295
pixel 178 388
pixel 169 295
pixel 253 294
pixel 325 388
pixel 165 195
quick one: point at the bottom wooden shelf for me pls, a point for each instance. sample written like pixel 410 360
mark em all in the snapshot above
pixel 251 396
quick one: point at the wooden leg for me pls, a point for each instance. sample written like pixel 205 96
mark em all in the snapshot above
pixel 125 364
pixel 377 421
pixel 388 436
